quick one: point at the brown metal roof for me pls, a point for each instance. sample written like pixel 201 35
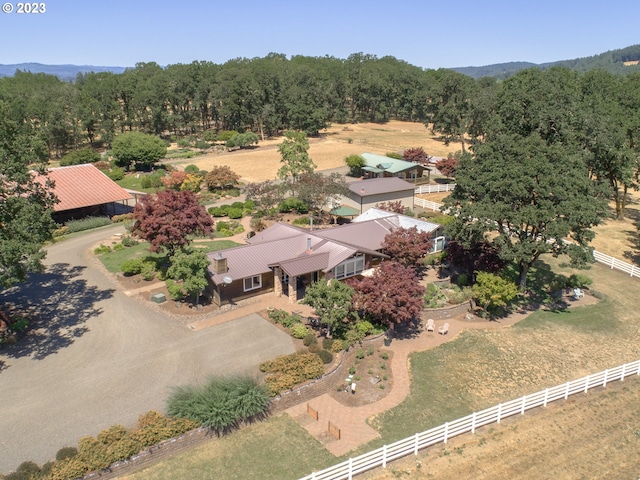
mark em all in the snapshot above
pixel 376 186
pixel 306 263
pixel 80 186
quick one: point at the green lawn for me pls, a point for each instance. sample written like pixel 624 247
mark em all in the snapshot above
pixel 132 183
pixel 115 258
pixel 478 369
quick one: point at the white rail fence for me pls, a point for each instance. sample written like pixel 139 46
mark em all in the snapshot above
pixel 446 187
pixel 614 263
pixel 427 204
pixel 469 424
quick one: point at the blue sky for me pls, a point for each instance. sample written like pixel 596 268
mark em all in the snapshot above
pixel 426 33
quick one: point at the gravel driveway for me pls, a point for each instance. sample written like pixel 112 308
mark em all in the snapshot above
pixel 101 358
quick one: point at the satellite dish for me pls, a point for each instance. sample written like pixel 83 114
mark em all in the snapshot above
pixel 227 280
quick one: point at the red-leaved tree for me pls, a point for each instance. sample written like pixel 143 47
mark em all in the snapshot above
pixel 481 256
pixel 168 218
pixel 448 166
pixel 392 295
pixel 416 155
pixel 407 245
pixel 391 206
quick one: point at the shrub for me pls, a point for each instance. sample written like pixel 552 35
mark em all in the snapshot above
pixel 121 218
pixel 239 205
pixel 60 232
pixel 116 173
pixel 153 427
pixel 278 315
pixel 66 452
pixel 217 212
pixel 175 290
pixel 326 356
pixel 298 330
pixel 78 157
pixel 315 348
pixel 225 233
pixel 293 205
pixel 337 346
pixel 222 403
pixel 327 343
pixel 112 434
pixel 129 241
pixel 462 280
pixel 132 267
pixel 256 224
pixel 302 221
pixel 148 271
pixel 249 206
pixel 287 371
pixel 235 213
pixel 102 249
pixel 69 468
pixel 192 168
pixel 118 247
pixel 220 225
pixel 202 145
pixel 87 223
pixel 364 327
pixel 310 339
pixel 93 453
pixel 360 354
pixel 577 280
pixel 152 181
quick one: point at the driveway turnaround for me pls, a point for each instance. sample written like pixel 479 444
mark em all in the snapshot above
pixel 98 357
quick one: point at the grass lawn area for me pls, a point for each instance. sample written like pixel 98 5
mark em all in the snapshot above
pixel 477 369
pixel 132 183
pixel 115 258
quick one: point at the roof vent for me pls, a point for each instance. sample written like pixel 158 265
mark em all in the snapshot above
pixel 362 190
pixel 309 245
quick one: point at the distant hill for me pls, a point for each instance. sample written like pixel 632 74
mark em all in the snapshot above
pixel 623 60
pixel 63 72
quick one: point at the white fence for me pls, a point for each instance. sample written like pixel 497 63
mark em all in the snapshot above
pixel 446 187
pixel 381 456
pixel 427 204
pixel 612 263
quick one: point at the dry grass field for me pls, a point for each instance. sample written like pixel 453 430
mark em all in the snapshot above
pixel 330 149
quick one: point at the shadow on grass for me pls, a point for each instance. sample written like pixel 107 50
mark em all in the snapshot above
pixel 59 303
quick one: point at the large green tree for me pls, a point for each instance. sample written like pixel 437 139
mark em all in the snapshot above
pixel 26 202
pixel 295 158
pixel 189 268
pixel 330 300
pixel 529 196
pixel 139 149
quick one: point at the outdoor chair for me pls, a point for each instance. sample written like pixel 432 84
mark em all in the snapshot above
pixel 444 329
pixel 431 327
pixel 577 293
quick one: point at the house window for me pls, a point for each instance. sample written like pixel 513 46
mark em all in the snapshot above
pixel 284 278
pixel 251 283
pixel 438 244
pixel 349 268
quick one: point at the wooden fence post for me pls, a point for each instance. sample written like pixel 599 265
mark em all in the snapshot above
pixel 606 374
pixel 524 401
pixel 499 412
pixel 350 468
pixel 415 448
pixel 624 367
pixel 473 423
pixel 546 396
pixel 586 385
pixel 446 431
pixel 384 456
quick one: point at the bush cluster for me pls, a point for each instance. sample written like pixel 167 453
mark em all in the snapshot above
pixel 87 223
pixel 293 205
pixel 125 217
pixel 135 266
pixel 153 180
pixel 113 444
pixel 286 371
pixel 222 403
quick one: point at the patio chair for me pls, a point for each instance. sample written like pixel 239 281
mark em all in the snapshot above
pixel 444 329
pixel 577 293
pixel 431 326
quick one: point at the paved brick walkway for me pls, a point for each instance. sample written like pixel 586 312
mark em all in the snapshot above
pixel 352 421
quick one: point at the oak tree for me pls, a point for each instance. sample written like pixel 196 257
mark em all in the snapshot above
pixel 295 158
pixel 168 220
pixel 138 149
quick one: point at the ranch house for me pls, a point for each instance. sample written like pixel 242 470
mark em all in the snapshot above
pixel 283 259
pixel 379 166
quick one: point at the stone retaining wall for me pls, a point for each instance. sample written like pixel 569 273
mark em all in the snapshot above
pixel 446 312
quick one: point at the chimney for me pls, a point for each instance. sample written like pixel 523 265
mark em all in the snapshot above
pixel 309 245
pixel 220 264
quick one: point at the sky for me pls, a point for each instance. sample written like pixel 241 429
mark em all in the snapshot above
pixel 426 33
